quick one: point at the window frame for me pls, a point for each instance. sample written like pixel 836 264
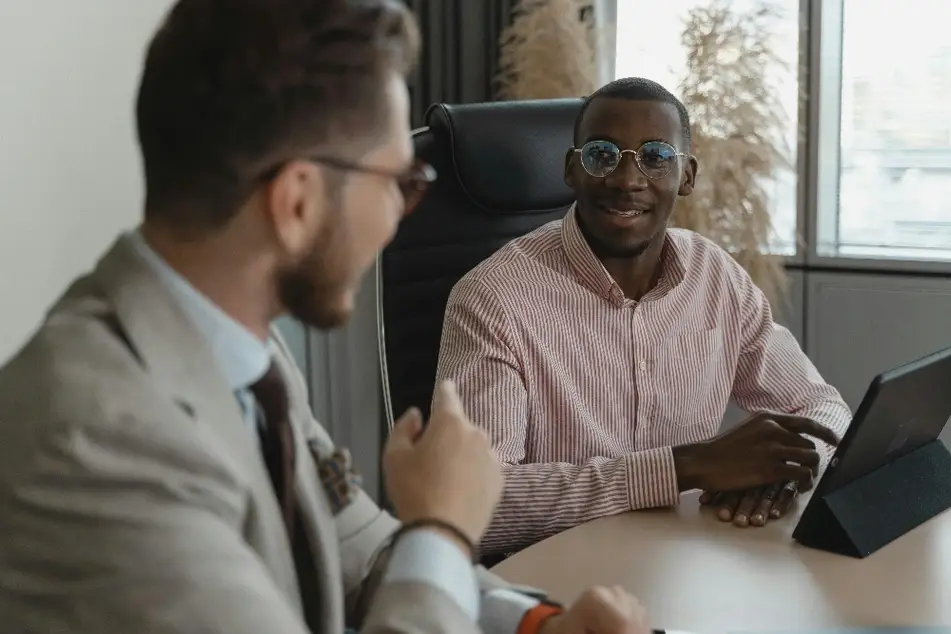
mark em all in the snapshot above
pixel 820 49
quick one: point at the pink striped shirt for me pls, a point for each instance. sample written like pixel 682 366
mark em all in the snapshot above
pixel 583 392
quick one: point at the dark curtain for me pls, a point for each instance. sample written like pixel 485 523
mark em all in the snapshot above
pixel 458 64
pixel 460 51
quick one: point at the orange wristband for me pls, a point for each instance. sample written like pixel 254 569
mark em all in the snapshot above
pixel 531 623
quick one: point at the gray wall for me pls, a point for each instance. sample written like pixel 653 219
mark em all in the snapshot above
pixel 858 325
pixel 853 326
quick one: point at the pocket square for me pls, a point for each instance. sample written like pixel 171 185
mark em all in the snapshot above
pixel 340 480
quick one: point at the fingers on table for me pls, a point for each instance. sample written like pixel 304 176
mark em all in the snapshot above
pixel 754 507
pixel 749 511
pixel 783 501
pixel 772 505
pixel 727 504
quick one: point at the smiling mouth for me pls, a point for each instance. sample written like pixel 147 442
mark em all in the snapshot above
pixel 626 213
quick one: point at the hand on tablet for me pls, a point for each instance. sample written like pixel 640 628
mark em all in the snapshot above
pixel 601 610
pixel 765 449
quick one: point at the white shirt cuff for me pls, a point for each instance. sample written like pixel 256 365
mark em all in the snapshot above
pixel 503 610
pixel 423 556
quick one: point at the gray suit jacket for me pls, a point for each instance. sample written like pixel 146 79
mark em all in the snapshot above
pixel 133 498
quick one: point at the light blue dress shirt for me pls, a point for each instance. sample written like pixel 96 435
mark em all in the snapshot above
pixel 421 556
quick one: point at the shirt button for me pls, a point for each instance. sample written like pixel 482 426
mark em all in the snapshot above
pixel 642 365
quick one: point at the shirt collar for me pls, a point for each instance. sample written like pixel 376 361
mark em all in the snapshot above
pixel 241 356
pixel 592 274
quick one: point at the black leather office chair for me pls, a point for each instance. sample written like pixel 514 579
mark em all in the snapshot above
pixel 500 175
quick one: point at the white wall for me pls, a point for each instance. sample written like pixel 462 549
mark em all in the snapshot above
pixel 70 175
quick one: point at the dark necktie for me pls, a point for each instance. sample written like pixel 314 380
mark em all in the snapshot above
pixel 277 445
pixel 277 441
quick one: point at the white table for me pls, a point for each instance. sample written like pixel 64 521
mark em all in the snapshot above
pixel 695 573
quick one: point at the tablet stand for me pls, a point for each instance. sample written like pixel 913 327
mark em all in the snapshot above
pixel 878 508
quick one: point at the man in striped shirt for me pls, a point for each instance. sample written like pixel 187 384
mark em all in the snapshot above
pixel 600 351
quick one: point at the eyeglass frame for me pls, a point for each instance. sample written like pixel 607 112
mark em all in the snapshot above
pixel 427 175
pixel 637 161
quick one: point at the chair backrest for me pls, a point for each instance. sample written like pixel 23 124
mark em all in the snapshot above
pixel 501 168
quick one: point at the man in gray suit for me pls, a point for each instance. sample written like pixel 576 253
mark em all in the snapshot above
pixel 160 469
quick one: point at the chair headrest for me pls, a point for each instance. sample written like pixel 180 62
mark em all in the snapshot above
pixel 508 156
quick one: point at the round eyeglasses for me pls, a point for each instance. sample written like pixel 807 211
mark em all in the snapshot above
pixel 655 159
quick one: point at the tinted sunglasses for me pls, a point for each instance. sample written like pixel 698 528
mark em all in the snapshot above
pixel 413 183
pixel 655 159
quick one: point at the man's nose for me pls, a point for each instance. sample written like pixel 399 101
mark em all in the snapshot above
pixel 627 175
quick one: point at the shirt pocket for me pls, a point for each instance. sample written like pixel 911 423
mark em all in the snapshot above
pixel 693 384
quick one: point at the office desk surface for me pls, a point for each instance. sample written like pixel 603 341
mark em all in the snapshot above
pixel 695 573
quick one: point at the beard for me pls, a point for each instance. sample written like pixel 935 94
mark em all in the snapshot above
pixel 606 248
pixel 316 290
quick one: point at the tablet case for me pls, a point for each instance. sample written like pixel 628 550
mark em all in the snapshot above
pixel 874 510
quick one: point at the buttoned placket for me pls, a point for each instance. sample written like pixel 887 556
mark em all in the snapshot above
pixel 642 372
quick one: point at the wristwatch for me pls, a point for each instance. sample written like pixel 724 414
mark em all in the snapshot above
pixel 534 618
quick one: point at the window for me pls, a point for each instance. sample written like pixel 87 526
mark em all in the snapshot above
pixel 649 45
pixel 894 163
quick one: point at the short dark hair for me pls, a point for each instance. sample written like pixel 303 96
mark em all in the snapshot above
pixel 234 88
pixel 637 89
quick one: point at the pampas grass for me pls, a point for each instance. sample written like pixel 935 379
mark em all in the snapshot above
pixel 548 51
pixel 738 135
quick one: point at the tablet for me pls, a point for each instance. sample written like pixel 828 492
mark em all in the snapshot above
pixel 904 410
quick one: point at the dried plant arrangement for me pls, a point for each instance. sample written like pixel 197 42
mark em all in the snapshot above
pixel 738 134
pixel 548 51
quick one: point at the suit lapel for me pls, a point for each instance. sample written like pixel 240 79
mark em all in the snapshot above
pixel 182 364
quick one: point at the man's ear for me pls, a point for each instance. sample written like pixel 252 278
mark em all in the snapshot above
pixel 294 203
pixel 569 164
pixel 689 177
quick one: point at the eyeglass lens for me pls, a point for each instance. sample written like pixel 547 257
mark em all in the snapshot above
pixel 655 158
pixel 414 184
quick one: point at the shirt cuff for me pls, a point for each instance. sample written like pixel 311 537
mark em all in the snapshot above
pixel 652 479
pixel 423 556
pixel 503 610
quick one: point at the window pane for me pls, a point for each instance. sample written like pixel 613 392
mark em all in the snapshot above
pixel 649 45
pixel 895 158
